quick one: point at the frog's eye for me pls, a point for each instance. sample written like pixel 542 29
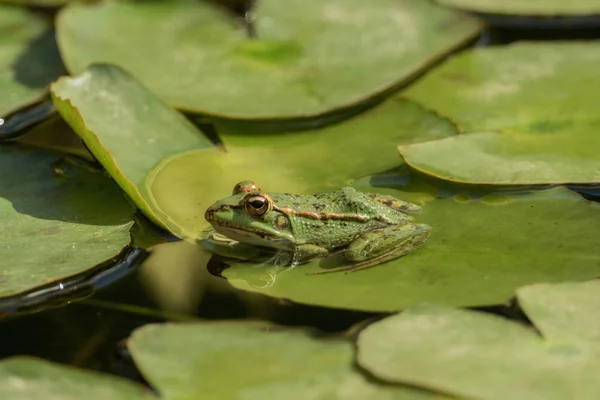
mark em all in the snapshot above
pixel 257 205
pixel 245 187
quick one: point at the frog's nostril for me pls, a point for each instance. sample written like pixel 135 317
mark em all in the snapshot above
pixel 210 212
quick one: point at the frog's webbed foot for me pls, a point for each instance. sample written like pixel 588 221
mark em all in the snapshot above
pixel 394 203
pixel 380 246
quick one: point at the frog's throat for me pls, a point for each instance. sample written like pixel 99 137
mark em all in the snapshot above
pixel 327 216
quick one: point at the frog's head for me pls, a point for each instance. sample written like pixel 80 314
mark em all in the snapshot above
pixel 251 217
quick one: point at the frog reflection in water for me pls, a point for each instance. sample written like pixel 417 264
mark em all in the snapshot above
pixel 368 228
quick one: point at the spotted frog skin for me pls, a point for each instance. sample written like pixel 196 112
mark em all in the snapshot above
pixel 368 228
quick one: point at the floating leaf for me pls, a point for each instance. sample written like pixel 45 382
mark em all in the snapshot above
pixel 191 361
pixel 29 59
pixel 30 379
pixel 486 357
pixel 57 220
pixel 529 8
pixel 309 57
pixel 509 159
pixel 529 109
pixel 185 185
pixel 125 127
pixel 479 251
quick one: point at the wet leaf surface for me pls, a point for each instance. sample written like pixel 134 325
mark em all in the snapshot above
pixel 125 127
pixel 58 220
pixel 225 361
pixel 529 8
pixel 482 356
pixel 33 379
pixel 308 57
pixel 528 109
pixel 29 59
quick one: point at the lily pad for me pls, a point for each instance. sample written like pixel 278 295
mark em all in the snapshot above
pixel 528 109
pixel 519 7
pixel 185 185
pixel 510 159
pixel 481 356
pixel 29 59
pixel 125 127
pixel 478 252
pixel 308 58
pixel 57 220
pixel 30 379
pixel 191 361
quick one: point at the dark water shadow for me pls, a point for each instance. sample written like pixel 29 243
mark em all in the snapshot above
pixel 19 122
pixel 73 288
pixel 40 63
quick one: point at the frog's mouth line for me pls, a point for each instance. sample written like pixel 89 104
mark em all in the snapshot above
pixel 233 232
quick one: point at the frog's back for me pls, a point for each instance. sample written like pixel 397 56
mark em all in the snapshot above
pixel 335 218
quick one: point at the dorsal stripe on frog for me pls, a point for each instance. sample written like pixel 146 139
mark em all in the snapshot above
pixel 326 216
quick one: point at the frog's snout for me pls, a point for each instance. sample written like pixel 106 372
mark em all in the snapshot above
pixel 209 214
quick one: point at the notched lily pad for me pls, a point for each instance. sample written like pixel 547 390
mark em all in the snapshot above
pixel 29 60
pixel 57 220
pixel 529 111
pixel 478 252
pixel 481 356
pixel 190 361
pixel 31 379
pixel 125 127
pixel 308 58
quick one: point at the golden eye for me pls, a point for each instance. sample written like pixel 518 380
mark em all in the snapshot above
pixel 245 187
pixel 257 205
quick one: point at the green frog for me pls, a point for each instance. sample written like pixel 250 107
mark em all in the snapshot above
pixel 368 228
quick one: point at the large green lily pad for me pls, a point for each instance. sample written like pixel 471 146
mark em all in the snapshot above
pixel 125 127
pixel 55 225
pixel 191 361
pixel 481 356
pixel 529 111
pixel 529 8
pixel 185 185
pixel 309 57
pixel 477 254
pixel 27 378
pixel 510 159
pixel 29 59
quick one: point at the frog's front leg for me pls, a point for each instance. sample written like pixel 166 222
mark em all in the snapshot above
pixel 382 245
pixel 306 252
